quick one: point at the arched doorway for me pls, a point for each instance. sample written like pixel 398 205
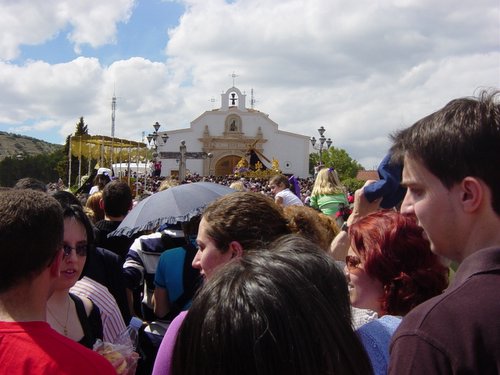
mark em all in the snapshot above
pixel 226 165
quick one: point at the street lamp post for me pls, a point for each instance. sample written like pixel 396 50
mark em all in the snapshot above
pixel 322 140
pixel 210 157
pixel 153 137
pixel 182 161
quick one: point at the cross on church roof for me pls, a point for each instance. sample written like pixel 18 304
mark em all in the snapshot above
pixel 234 76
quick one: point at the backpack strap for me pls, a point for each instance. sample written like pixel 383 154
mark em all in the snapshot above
pixel 191 283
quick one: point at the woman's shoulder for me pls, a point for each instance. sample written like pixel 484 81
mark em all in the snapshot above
pixel 336 195
pixel 84 302
pixel 384 326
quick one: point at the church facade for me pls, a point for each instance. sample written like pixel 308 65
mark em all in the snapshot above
pixel 218 139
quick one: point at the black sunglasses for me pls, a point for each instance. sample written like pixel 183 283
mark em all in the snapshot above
pixel 81 249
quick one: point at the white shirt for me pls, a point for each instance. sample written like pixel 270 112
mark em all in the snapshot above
pixel 289 198
pixel 112 320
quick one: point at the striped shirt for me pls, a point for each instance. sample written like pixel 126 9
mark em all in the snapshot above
pixel 112 321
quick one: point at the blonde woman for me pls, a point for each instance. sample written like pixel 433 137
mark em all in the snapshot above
pixel 94 204
pixel 238 186
pixel 328 195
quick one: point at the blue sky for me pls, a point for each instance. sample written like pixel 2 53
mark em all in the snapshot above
pixel 361 69
pixel 144 34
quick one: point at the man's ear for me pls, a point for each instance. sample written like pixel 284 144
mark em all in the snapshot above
pixel 236 249
pixel 472 194
pixel 101 204
pixel 55 266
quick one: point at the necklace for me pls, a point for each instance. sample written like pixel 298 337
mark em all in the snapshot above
pixel 65 325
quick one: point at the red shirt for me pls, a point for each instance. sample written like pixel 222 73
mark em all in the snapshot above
pixel 32 348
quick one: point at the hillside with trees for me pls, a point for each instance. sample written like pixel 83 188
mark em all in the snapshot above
pixel 22 156
pixel 19 146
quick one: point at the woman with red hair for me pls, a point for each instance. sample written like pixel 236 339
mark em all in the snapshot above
pixel 390 270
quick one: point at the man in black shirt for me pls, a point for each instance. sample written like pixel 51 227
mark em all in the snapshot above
pixel 116 202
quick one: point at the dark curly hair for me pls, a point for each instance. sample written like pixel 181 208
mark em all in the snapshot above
pixel 394 251
pixel 277 310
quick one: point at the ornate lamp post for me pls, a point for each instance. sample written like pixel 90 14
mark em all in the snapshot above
pixel 182 161
pixel 154 138
pixel 322 140
pixel 210 157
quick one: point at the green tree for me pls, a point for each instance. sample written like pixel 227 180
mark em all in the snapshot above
pixel 42 167
pixel 346 167
pixel 62 167
pixel 81 128
pixel 7 172
pixel 352 184
pixel 339 159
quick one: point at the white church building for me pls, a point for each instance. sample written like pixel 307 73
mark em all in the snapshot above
pixel 226 134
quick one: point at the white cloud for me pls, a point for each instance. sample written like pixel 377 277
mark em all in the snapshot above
pixel 361 69
pixel 28 22
pixel 25 22
pixel 95 22
pixel 41 90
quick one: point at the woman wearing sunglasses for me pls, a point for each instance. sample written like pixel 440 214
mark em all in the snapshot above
pixel 390 269
pixel 74 316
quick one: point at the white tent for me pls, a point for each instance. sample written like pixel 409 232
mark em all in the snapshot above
pixel 120 169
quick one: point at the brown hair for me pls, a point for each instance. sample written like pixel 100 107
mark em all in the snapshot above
pixel 252 219
pixel 31 234
pixel 461 139
pixel 280 179
pixel 311 224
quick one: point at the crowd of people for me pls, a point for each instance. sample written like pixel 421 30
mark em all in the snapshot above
pixel 283 275
pixel 145 185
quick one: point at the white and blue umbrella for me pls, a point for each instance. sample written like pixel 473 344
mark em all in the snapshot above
pixel 176 204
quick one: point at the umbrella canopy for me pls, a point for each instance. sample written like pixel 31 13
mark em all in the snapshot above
pixel 176 204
